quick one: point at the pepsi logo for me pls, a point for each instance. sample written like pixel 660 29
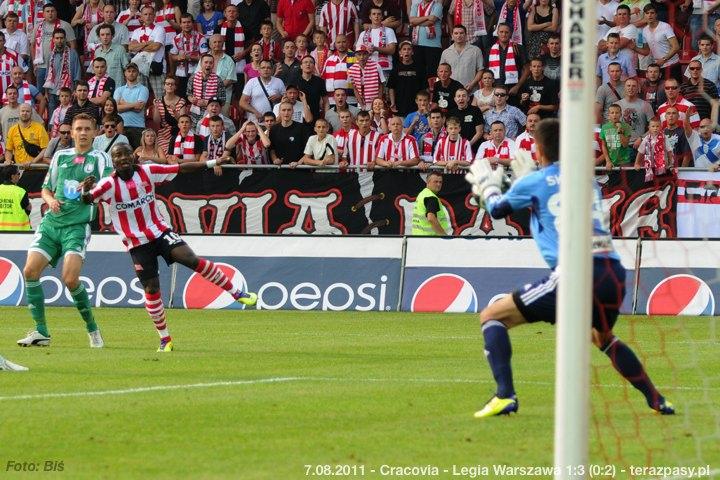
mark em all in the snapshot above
pixel 681 295
pixel 445 292
pixel 199 293
pixel 12 285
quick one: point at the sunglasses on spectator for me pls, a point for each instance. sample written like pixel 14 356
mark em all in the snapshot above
pixel 668 87
pixel 501 94
pixel 109 125
pixel 64 132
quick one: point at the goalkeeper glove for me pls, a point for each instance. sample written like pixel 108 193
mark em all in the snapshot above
pixel 484 180
pixel 522 164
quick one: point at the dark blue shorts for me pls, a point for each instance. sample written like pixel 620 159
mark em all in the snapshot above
pixel 538 301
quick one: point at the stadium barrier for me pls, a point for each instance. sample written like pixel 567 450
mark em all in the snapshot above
pixel 372 273
pixel 318 202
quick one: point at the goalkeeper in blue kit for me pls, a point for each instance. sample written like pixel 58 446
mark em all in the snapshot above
pixel 540 190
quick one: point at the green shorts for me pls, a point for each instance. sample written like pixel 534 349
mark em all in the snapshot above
pixel 54 243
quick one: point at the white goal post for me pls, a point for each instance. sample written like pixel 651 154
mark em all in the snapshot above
pixel 572 384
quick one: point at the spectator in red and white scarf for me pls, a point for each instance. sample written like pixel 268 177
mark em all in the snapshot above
pixel 15 38
pixel 63 68
pixel 379 40
pixel 185 51
pixel 41 41
pixel 186 146
pixel 250 144
pixel 425 20
pixel 202 86
pixel 101 86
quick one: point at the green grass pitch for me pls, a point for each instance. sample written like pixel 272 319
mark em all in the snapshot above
pixel 263 394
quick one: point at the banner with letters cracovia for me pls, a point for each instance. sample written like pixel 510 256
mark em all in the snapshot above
pixel 305 202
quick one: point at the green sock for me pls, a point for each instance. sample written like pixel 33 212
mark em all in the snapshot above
pixel 36 304
pixel 82 302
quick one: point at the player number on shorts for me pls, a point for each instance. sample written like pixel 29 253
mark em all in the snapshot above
pixel 173 238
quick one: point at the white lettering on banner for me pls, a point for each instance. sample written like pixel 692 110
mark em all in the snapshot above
pixel 191 211
pixel 99 290
pixel 312 215
pixel 373 296
pixel 255 212
pixel 633 220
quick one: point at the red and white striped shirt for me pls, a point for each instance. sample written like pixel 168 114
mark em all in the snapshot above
pixel 526 142
pixel 339 18
pixel 366 81
pixel 448 150
pixel 488 149
pixel 361 149
pixel 252 153
pixel 133 207
pixel 8 60
pixel 428 142
pixel 163 17
pixel 335 74
pixel 341 138
pixel 134 23
pixel 682 106
pixel 404 149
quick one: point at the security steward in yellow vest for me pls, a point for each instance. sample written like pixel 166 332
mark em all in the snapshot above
pixel 429 216
pixel 14 201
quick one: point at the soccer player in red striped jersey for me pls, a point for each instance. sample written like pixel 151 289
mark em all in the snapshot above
pixel 362 143
pixel 396 149
pixel 130 191
pixel 453 151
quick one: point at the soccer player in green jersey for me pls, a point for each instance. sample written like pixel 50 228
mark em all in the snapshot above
pixel 65 230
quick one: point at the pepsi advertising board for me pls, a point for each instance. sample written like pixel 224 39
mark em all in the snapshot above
pixel 465 275
pixel 679 277
pixel 304 273
pixel 298 273
pixel 108 274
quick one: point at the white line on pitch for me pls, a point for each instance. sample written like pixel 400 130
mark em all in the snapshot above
pixel 161 388
pixel 157 388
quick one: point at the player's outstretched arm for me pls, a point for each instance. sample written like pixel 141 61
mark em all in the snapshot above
pixel 190 167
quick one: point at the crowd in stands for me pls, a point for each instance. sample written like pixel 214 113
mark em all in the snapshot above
pixel 376 83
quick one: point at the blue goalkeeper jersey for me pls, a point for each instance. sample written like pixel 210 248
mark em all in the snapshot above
pixel 540 191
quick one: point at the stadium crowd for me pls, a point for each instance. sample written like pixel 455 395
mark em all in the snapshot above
pixel 381 83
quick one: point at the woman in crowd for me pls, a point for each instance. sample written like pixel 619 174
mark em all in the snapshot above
pixel 167 110
pixel 543 19
pixel 149 151
pixel 87 15
pixel 378 116
pixel 110 108
pixel 252 69
pixel 209 18
pixel 484 97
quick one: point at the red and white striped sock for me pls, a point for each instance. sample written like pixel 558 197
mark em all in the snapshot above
pixel 156 310
pixel 210 272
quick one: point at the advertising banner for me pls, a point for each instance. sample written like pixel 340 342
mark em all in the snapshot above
pixel 304 202
pixel 679 277
pixel 303 274
pixel 462 275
